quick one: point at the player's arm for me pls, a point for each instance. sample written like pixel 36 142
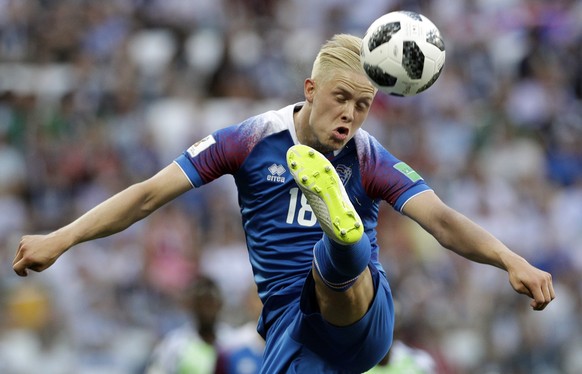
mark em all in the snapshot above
pixel 461 235
pixel 38 252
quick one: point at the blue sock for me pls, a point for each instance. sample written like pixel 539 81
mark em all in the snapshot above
pixel 340 265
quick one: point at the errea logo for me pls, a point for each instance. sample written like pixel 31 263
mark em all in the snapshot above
pixel 276 171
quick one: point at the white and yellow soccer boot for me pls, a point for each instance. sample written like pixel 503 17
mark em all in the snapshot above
pixel 326 194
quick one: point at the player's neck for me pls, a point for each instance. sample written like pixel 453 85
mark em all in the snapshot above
pixel 301 123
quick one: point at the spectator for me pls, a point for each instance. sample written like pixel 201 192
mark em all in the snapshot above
pixel 193 348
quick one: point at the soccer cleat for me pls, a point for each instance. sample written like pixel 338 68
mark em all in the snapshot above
pixel 326 194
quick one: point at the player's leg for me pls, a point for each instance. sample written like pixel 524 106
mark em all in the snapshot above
pixel 343 308
pixel 343 283
pixel 303 341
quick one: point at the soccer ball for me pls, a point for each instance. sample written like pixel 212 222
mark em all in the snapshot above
pixel 402 53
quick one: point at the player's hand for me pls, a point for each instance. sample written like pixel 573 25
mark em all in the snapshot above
pixel 36 252
pixel 533 282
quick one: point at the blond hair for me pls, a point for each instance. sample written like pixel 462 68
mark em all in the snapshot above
pixel 342 52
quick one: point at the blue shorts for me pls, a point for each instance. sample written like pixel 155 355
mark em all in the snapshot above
pixel 301 341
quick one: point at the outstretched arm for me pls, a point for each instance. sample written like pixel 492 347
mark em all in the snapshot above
pixel 461 235
pixel 38 252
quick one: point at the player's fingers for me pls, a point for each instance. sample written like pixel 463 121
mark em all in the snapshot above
pixel 538 300
pixel 539 305
pixel 19 253
pixel 548 289
pixel 551 288
pixel 21 262
pixel 20 268
pixel 18 264
pixel 17 258
pixel 523 289
pixel 25 264
pixel 544 294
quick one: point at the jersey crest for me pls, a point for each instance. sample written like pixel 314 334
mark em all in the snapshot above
pixel 344 172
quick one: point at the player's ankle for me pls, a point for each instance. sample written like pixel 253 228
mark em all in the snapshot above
pixel 340 265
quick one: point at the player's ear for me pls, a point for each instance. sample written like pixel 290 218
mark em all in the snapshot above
pixel 309 89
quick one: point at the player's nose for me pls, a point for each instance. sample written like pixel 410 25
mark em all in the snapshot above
pixel 348 113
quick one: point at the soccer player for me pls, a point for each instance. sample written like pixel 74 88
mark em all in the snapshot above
pixel 243 352
pixel 312 242
pixel 195 346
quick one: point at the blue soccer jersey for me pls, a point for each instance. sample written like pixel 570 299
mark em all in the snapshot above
pixel 279 224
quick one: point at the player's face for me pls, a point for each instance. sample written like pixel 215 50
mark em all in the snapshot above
pixel 206 308
pixel 339 106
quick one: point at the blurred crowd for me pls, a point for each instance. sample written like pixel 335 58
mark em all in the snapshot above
pixel 96 95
